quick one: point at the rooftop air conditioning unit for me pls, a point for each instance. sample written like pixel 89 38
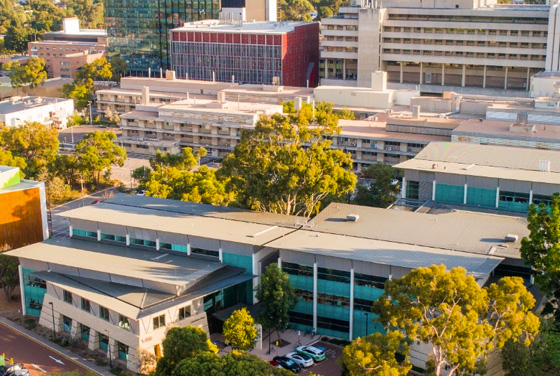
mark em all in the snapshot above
pixel 352 217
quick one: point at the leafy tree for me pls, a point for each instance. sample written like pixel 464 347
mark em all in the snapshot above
pixel 7 159
pixel 381 192
pixel 375 355
pixel 33 73
pixel 277 298
pixel 17 37
pixel 96 153
pixel 232 364
pixel 80 93
pixel 57 189
pixel 286 164
pixel 89 12
pixel 82 88
pixel 541 251
pixel 9 274
pixel 179 344
pixel 66 167
pixel 119 67
pixel 34 142
pixel 346 114
pixel 240 330
pixel 460 320
pixel 541 358
pixel 295 10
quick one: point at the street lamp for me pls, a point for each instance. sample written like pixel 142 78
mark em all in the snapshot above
pixel 52 314
pixel 89 105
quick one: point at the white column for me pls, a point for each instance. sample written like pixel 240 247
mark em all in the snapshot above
pixel 221 255
pixel 530 197
pixel 188 249
pixel 75 329
pixel 280 262
pixel 434 184
pixel 463 77
pixel 465 195
pixel 528 79
pixel 315 295
pixel 442 74
pixel 484 78
pixel 93 343
pixel 350 334
pixel 256 271
pixel 401 76
pixel 497 197
pixel 420 78
pixel 157 244
pixel 505 79
pixel 98 235
pixel 403 188
pixel 22 291
pixel 70 230
pixel 127 239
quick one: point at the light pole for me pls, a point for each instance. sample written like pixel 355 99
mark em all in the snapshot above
pixel 52 313
pixel 89 105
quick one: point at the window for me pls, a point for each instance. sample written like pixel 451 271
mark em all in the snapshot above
pixel 124 322
pixel 159 321
pixel 412 189
pixel 104 313
pixel 205 252
pixel 86 305
pixel 67 323
pixel 103 341
pixel 123 350
pixel 67 296
pixel 184 312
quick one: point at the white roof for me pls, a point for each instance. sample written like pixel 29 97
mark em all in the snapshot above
pixel 262 27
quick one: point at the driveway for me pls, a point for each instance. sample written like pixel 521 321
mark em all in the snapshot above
pixel 330 366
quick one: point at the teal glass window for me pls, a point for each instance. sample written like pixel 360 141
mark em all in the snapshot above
pixel 179 248
pixel 205 252
pixel 123 351
pixel 84 332
pixel 89 234
pixel 104 313
pixel 66 323
pixel 107 236
pixel 412 190
pixel 103 342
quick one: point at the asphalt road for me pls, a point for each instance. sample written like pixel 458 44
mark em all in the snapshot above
pixel 36 357
pixel 60 224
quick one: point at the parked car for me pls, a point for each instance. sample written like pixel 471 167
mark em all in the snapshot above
pixel 287 363
pixel 96 202
pixel 140 192
pixel 14 370
pixel 316 354
pixel 301 359
pixel 275 364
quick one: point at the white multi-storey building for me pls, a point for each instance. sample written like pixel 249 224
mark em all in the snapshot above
pixel 440 44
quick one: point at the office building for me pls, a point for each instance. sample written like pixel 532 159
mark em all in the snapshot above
pixel 267 53
pixel 23 218
pixel 467 46
pixel 70 49
pixel 134 267
pixel 492 177
pixel 138 30
pixel 53 112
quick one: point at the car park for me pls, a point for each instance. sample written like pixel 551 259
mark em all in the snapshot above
pixel 316 354
pixel 287 363
pixel 302 360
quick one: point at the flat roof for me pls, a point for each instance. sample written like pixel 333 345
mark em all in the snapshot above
pixel 261 27
pixel 269 90
pixel 464 231
pixel 8 107
pixel 489 161
pixel 378 130
pixel 536 132
pixel 384 252
pixel 168 269
pixel 141 217
pixel 206 105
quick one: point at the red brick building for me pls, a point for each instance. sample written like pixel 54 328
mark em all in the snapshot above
pixel 247 52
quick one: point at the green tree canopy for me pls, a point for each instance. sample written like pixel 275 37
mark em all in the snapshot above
pixel 232 364
pixel 287 167
pixel 294 10
pixel 9 274
pixel 96 153
pixel 240 331
pixel 541 250
pixel 381 192
pixel 17 37
pixel 89 12
pixel 179 344
pixel 7 159
pixel 82 88
pixel 375 355
pixel 277 297
pixel 541 358
pixel 458 318
pixel 33 73
pixel 34 142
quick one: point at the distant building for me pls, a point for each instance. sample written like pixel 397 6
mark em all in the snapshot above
pixel 492 177
pixel 23 213
pixel 139 29
pixel 53 112
pixel 262 53
pixel 464 45
pixel 70 49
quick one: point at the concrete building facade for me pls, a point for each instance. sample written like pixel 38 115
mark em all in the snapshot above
pixel 440 45
pixel 53 112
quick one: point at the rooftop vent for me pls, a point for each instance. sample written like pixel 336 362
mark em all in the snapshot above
pixel 352 217
pixel 511 238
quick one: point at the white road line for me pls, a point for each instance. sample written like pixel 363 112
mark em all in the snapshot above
pixel 39 368
pixel 56 360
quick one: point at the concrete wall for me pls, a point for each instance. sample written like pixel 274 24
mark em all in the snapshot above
pixel 355 97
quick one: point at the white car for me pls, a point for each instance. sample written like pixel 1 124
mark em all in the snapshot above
pixel 301 359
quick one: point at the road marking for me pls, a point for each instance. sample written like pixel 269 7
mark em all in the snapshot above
pixel 161 256
pixel 39 368
pixel 56 360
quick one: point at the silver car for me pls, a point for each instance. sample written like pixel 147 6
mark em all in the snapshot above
pixel 301 359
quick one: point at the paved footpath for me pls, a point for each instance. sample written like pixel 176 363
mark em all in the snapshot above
pixel 40 356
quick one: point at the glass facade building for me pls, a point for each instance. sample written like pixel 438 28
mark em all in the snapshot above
pixel 138 30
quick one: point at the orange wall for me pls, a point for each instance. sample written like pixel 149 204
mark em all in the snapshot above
pixel 20 219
